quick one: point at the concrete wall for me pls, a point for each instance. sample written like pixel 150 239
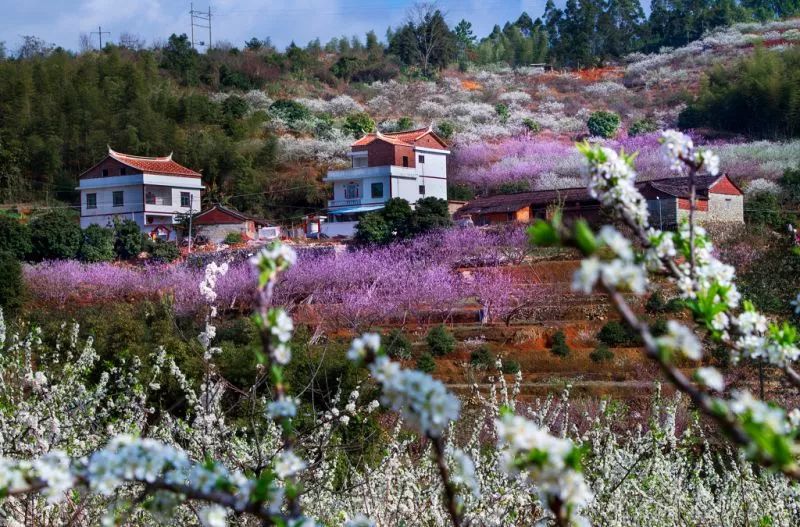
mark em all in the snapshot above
pixel 726 208
pixel 217 233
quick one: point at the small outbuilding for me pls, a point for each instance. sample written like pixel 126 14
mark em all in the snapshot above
pixel 718 200
pixel 218 222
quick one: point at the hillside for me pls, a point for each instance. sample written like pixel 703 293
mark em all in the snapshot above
pixel 264 126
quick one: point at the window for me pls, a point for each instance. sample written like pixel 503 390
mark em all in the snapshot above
pixel 117 198
pixel 105 172
pixel 91 201
pixel 360 161
pixel 422 190
pixel 422 159
pixel 123 171
pixel 186 199
pixel 377 190
pixel 352 191
pixel 405 161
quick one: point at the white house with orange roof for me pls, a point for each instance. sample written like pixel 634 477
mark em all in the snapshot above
pixel 152 191
pixel 410 165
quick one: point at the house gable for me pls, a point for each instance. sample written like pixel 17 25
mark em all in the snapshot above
pixel 724 185
pixel 217 215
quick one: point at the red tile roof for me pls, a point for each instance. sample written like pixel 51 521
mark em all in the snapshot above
pixel 405 138
pixel 154 165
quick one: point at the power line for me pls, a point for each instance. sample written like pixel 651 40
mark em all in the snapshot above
pixel 196 19
pixel 100 34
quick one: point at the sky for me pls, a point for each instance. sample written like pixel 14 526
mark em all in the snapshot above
pixel 61 21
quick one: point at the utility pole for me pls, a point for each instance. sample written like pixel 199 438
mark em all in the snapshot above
pixel 191 213
pixel 100 34
pixel 197 19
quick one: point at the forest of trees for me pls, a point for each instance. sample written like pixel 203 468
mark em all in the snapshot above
pixel 60 109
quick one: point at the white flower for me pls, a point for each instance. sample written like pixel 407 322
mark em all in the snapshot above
pixel 586 276
pixel 282 326
pixel 710 377
pixel 616 242
pixel 710 161
pixel 286 407
pixel 796 304
pixel 618 274
pixel 359 520
pixel 676 146
pixel 794 417
pixel 680 339
pixel 363 344
pixel 282 354
pixel 288 464
pixel 54 469
pixel 213 516
pixel 463 472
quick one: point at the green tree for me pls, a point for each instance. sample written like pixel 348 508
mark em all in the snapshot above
pixel 372 229
pixel 440 341
pixel 163 251
pixel 12 285
pixel 15 237
pixel 180 57
pixel 601 353
pixel 559 345
pixel 425 41
pixel 358 124
pixel 55 236
pixel 430 213
pixel 426 363
pixel 128 239
pixel 97 244
pixel 603 124
pixel 397 345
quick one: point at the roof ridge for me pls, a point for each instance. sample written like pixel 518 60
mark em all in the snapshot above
pixel 114 153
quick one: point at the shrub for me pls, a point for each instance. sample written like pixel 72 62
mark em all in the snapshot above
pixel 510 367
pixel 533 126
pixel 601 353
pixel 291 111
pixel 397 344
pixel 55 236
pixel 659 327
pixel 445 129
pixel 615 334
pixel 12 286
pixel 642 126
pixel 405 123
pixel 358 124
pixel 129 239
pixel 559 346
pixel 430 213
pixel 15 237
pixel 97 244
pixel 440 341
pixel 603 124
pixel 764 208
pixel 502 112
pixel 163 251
pixel 425 363
pixel 481 357
pixel 233 238
pixel 655 303
pixel 372 229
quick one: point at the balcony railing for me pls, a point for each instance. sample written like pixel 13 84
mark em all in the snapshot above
pixel 344 202
pixel 158 200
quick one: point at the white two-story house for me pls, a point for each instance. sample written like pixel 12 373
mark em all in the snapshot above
pixel 152 191
pixel 408 165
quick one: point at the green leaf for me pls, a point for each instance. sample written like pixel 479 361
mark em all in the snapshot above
pixel 543 234
pixel 584 238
